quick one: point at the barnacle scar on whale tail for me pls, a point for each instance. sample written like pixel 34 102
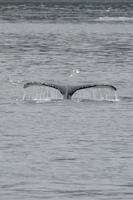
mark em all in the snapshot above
pixel 68 91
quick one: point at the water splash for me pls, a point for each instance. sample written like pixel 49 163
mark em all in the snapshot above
pixel 74 72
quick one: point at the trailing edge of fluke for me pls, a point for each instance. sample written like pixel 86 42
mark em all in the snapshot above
pixel 68 91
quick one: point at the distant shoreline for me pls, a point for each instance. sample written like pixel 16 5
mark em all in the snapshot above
pixel 66 1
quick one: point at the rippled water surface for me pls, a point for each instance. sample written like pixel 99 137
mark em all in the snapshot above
pixel 66 149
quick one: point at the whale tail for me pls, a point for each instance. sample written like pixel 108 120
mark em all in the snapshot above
pixel 68 91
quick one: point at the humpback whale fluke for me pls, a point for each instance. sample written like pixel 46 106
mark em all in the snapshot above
pixel 68 91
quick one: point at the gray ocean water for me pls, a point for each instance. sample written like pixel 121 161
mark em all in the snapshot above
pixel 66 149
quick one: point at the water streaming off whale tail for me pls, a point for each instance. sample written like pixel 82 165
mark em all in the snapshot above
pixel 98 93
pixel 41 93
